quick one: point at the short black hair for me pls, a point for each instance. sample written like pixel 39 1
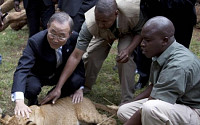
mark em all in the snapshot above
pixel 106 7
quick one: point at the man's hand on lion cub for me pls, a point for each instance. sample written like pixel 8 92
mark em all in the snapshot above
pixel 21 108
pixel 55 94
pixel 77 96
pixel 52 96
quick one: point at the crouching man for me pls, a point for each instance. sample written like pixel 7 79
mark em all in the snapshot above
pixel 173 97
pixel 42 63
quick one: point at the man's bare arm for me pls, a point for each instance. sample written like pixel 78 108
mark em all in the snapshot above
pixel 144 94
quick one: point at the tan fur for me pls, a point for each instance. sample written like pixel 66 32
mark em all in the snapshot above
pixel 64 112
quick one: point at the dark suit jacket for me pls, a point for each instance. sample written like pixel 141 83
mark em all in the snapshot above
pixel 72 6
pixel 175 10
pixel 46 2
pixel 39 59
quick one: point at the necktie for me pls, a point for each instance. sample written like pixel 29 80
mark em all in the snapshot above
pixel 58 56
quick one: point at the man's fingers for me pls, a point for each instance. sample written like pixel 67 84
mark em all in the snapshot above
pixel 120 57
pixel 45 100
pixel 29 110
pixel 81 98
pixel 78 99
pixel 15 112
pixel 16 6
pixel 22 113
pixel 17 9
pixel 73 99
pixel 54 100
pixel 27 114
pixel 123 59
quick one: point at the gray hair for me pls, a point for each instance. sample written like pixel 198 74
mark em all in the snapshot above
pixel 62 17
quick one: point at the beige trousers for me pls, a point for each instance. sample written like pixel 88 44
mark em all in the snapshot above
pixel 157 112
pixel 94 57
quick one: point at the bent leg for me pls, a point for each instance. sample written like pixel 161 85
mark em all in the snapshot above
pixel 33 89
pixel 93 59
pixel 73 83
pixel 125 111
pixel 157 112
pixel 126 70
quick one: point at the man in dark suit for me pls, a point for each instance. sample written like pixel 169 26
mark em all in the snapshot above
pixel 76 9
pixel 41 64
pixel 36 11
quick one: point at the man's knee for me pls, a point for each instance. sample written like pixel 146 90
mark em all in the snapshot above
pixel 32 91
pixel 123 113
pixel 77 81
pixel 148 107
pixel 153 109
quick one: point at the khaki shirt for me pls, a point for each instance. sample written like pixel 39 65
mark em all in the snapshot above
pixel 175 75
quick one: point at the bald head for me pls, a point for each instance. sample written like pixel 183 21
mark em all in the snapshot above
pixel 158 35
pixel 160 25
pixel 106 7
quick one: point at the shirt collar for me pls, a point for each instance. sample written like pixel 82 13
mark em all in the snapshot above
pixel 165 55
pixel 60 48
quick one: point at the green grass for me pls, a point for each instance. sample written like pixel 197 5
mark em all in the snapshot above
pixel 107 85
pixel 11 46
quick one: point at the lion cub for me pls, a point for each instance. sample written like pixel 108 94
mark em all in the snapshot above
pixel 64 112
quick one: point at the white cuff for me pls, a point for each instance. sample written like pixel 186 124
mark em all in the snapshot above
pixel 82 87
pixel 17 95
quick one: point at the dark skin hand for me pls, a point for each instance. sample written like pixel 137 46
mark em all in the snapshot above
pixel 1 2
pixel 124 55
pixel 52 96
pixel 16 6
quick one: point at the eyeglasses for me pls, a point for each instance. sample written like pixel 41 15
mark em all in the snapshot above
pixel 53 36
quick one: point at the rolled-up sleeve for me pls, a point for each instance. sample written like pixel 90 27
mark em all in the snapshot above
pixel 84 38
pixel 170 85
